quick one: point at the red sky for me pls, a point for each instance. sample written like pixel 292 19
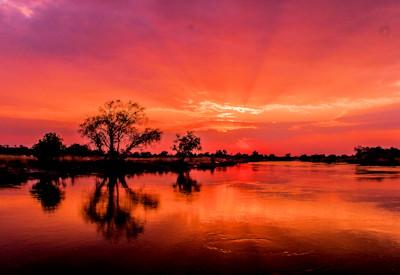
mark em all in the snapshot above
pixel 274 76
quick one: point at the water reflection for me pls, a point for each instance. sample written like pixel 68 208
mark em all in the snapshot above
pixel 253 218
pixel 50 192
pixel 185 184
pixel 365 173
pixel 113 208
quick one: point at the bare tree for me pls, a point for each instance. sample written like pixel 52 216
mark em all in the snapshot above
pixel 114 130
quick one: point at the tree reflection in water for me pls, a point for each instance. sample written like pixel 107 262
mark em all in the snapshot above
pixel 50 192
pixel 112 207
pixel 185 184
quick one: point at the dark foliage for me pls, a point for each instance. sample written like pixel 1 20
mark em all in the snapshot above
pixel 114 130
pixel 49 147
pixel 186 145
pixel 220 153
pixel 20 150
pixel 377 155
pixel 79 150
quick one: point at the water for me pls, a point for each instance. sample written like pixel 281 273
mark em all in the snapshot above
pixel 288 217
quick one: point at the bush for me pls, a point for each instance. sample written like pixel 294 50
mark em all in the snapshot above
pixel 49 147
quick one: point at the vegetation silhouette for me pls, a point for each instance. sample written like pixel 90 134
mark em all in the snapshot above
pixel 112 205
pixel 79 150
pixel 13 176
pixel 185 184
pixel 114 130
pixel 377 155
pixel 186 145
pixel 49 148
pixel 117 130
pixel 49 192
pixel 20 150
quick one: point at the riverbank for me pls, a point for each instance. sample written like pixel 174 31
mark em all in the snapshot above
pixel 18 169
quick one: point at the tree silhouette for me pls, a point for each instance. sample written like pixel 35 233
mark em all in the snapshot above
pixel 113 212
pixel 114 130
pixel 185 145
pixel 221 153
pixel 377 155
pixel 78 150
pixel 49 147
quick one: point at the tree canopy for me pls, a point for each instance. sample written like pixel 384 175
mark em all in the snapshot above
pixel 185 145
pixel 49 147
pixel 114 130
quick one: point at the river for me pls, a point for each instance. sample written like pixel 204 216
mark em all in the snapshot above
pixel 267 217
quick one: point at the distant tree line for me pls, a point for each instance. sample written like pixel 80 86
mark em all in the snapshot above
pixel 114 133
pixel 363 155
pixel 377 155
pixel 20 150
pixel 46 148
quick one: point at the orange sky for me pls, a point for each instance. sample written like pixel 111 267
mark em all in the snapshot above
pixel 274 76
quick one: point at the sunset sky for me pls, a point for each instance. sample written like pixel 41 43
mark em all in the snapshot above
pixel 274 76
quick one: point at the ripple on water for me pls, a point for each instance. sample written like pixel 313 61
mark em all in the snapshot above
pixel 225 245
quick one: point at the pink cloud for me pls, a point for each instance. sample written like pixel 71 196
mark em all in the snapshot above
pixel 286 75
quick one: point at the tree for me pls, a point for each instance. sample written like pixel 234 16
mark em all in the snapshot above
pixel 376 155
pixel 256 156
pixel 221 153
pixel 114 130
pixel 49 147
pixel 78 150
pixel 185 145
pixel 14 150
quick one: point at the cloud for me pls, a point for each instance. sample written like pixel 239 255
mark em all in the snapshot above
pixel 208 106
pixel 26 8
pixel 244 144
pixel 228 67
pixel 336 108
